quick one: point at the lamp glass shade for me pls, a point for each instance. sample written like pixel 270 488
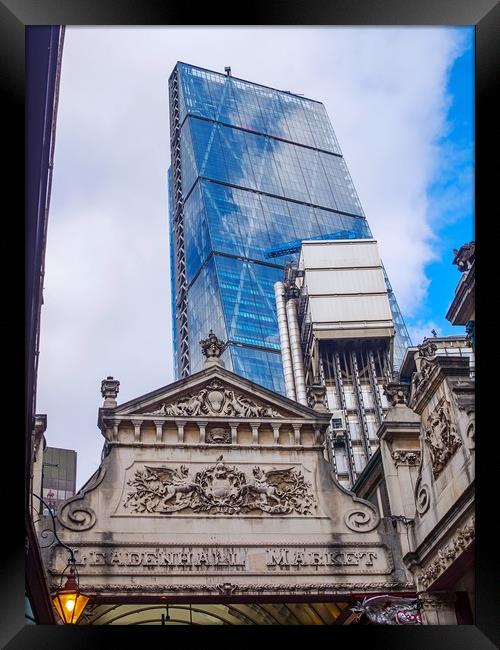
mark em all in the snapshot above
pixel 69 605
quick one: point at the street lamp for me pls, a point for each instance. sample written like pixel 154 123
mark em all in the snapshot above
pixel 68 600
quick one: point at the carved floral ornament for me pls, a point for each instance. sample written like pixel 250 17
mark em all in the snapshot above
pixel 441 437
pixel 220 488
pixel 231 588
pixel 215 398
pixel 462 539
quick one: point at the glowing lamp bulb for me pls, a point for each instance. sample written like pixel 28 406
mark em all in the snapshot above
pixel 70 605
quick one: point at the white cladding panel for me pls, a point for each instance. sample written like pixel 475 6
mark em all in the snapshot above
pixel 343 253
pixel 348 309
pixel 346 288
pixel 342 281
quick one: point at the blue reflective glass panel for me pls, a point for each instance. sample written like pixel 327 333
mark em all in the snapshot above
pixel 245 105
pixel 204 313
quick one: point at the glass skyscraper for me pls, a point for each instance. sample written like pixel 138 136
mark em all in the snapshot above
pixel 254 171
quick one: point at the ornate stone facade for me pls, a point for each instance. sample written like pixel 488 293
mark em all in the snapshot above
pixel 437 458
pixel 220 487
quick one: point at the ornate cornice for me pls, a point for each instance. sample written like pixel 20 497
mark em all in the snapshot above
pixel 230 588
pixel 430 373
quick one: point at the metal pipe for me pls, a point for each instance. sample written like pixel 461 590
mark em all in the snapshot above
pixel 296 350
pixel 279 292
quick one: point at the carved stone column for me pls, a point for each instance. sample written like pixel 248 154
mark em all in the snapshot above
pixel 202 426
pixel 255 432
pixel 159 430
pixel 399 436
pixel 437 608
pixel 137 430
pixel 296 431
pixel 318 435
pixel 276 432
pixel 115 431
pixel 180 430
pixel 234 432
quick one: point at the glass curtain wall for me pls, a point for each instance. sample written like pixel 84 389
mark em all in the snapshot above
pixel 259 170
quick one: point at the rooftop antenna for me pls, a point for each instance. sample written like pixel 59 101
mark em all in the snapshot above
pixel 227 70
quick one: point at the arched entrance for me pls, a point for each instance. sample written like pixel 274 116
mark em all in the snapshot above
pixel 218 614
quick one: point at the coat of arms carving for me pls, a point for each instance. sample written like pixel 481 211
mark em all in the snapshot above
pixel 219 488
pixel 215 399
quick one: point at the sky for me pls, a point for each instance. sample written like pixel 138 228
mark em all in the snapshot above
pixel 401 102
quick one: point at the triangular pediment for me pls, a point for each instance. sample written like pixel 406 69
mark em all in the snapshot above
pixel 216 392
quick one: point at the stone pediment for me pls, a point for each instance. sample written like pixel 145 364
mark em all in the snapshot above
pixel 215 393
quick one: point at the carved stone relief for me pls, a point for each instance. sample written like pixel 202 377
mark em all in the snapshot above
pixel 396 392
pixel 402 457
pixel 220 488
pixel 361 521
pixel 461 540
pixel 422 497
pixel 218 436
pixel 215 399
pixel 441 437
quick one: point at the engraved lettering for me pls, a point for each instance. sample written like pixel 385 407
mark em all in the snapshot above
pixel 277 557
pixel 298 558
pixel 151 559
pixel 221 559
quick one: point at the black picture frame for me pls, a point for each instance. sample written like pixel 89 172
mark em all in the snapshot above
pixel 15 16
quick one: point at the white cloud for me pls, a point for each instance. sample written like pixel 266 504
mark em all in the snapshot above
pixel 421 330
pixel 107 305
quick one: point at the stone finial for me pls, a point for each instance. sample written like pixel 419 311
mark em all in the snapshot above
pixel 212 348
pixel 109 390
pixel 316 398
pixel 397 393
